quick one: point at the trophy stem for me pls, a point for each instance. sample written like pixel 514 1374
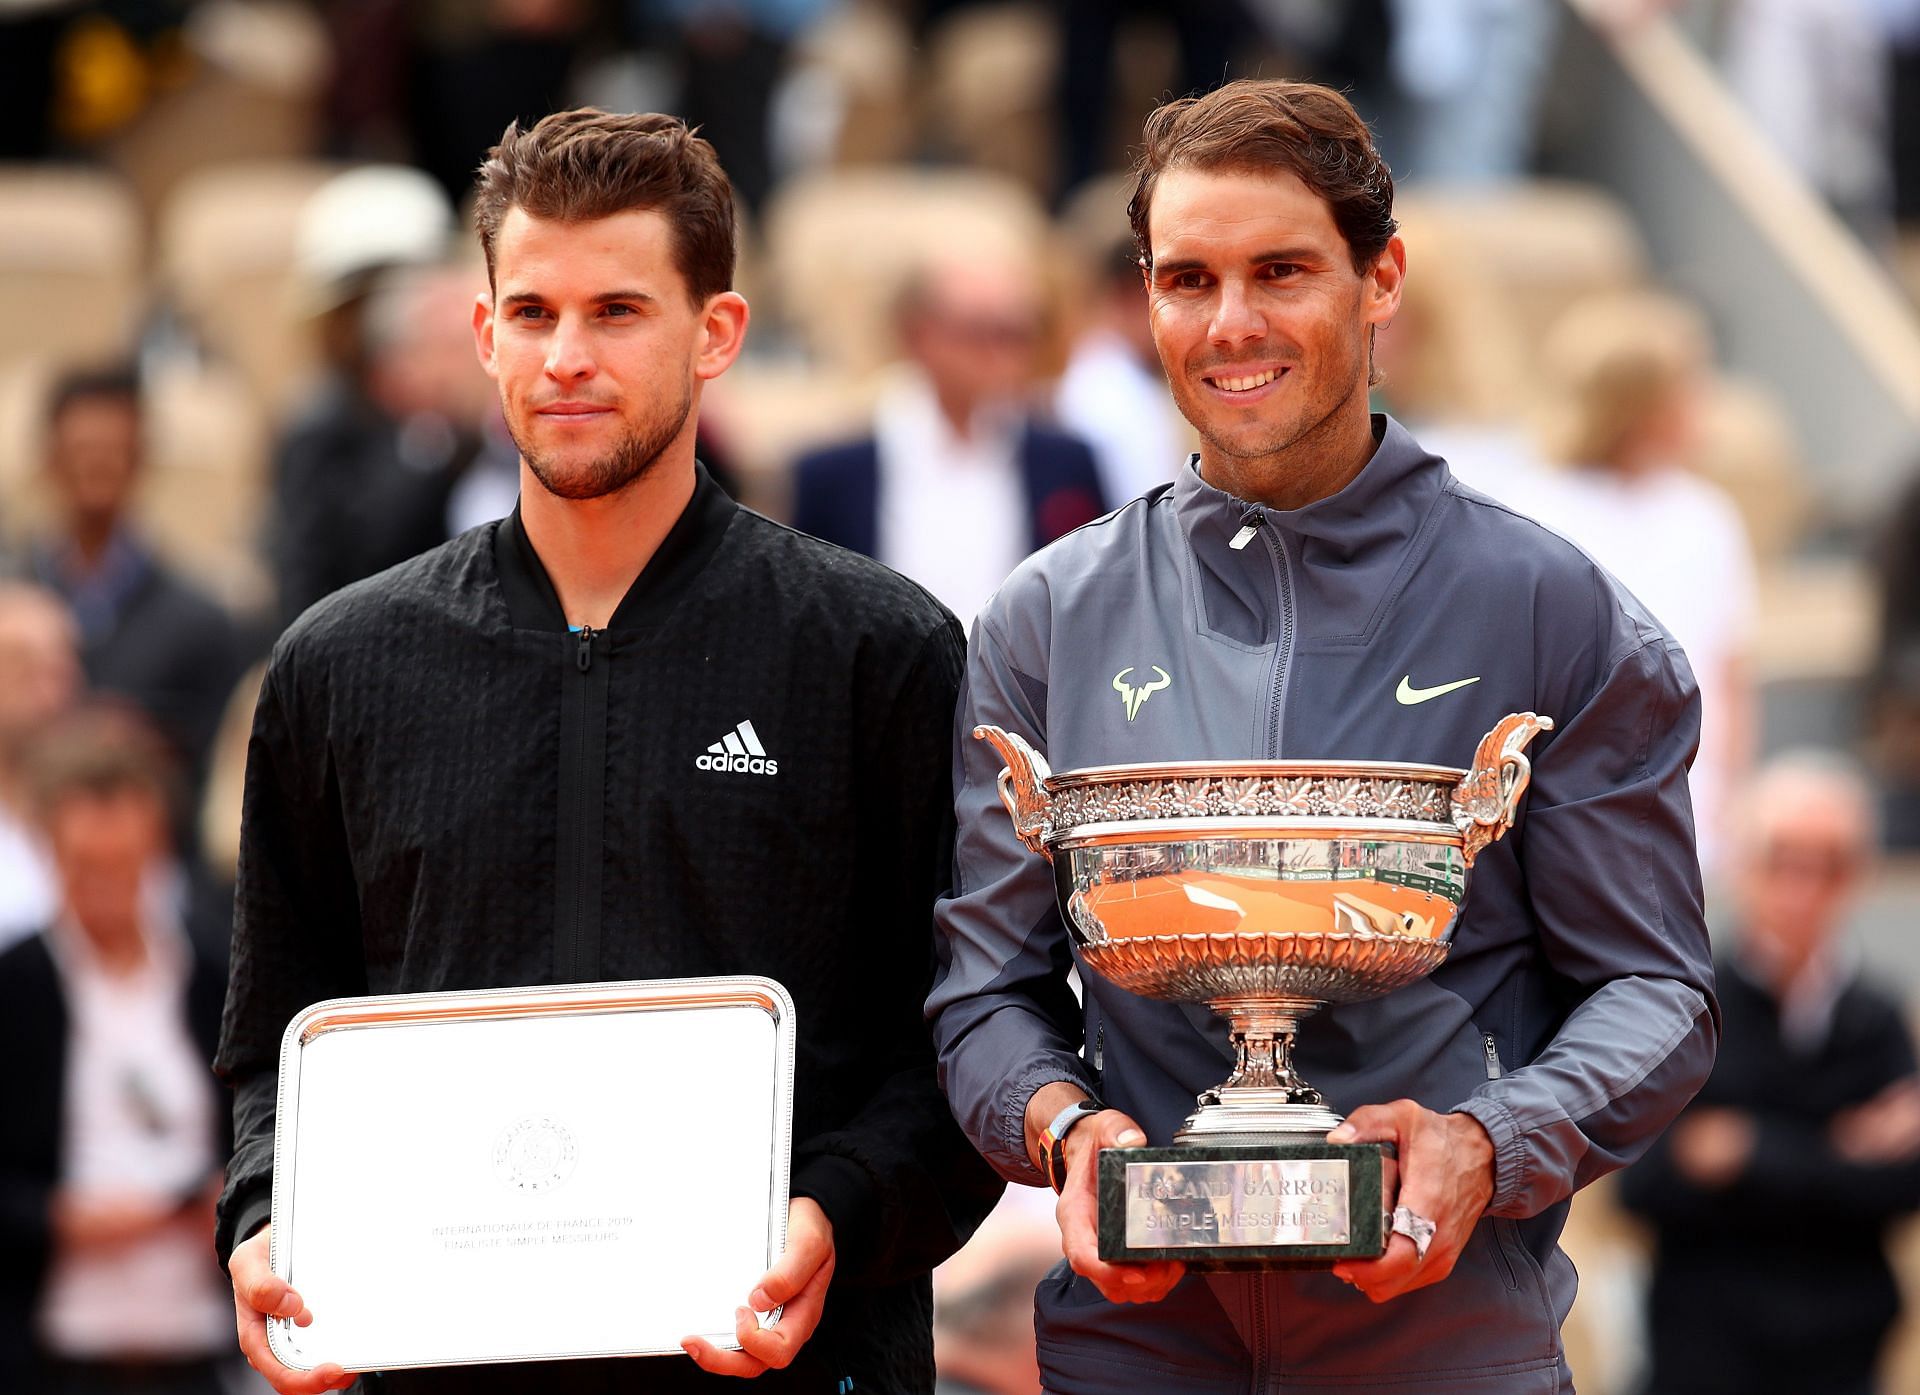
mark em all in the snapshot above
pixel 1264 1095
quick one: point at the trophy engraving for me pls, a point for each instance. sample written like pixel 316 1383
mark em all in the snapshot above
pixel 1263 889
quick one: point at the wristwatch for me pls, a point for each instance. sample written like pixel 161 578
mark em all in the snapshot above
pixel 1053 1139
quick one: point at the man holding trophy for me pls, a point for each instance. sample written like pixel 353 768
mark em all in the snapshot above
pixel 1262 683
pixel 630 732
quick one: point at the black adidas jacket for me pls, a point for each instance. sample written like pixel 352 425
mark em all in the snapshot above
pixel 446 789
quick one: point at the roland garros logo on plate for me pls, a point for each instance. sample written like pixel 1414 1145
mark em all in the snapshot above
pixel 534 1155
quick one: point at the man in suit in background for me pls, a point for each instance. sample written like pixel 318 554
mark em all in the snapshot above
pixel 958 481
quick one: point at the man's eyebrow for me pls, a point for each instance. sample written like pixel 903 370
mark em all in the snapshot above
pixel 519 298
pixel 1176 265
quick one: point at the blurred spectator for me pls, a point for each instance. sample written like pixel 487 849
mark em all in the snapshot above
pixel 30 35
pixel 1814 75
pixel 1895 681
pixel 732 55
pixel 39 674
pixel 958 481
pixel 1113 393
pixel 983 1342
pixel 1206 35
pixel 116 1135
pixel 1466 77
pixel 146 632
pixel 477 66
pixel 363 473
pixel 1624 377
pixel 1771 1194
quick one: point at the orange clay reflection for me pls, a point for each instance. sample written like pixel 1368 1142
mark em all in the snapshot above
pixel 1207 902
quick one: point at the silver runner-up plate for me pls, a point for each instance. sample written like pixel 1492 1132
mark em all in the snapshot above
pixel 531 1173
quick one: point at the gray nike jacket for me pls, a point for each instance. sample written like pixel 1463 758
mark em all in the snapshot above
pixel 1396 620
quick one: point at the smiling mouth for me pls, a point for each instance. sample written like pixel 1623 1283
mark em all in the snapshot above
pixel 1245 382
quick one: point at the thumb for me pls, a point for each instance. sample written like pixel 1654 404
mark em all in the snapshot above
pixel 1371 1123
pixel 809 1245
pixel 1112 1128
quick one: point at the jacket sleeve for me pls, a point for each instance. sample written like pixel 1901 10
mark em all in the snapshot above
pixel 296 931
pixel 898 1180
pixel 1607 864
pixel 1004 1021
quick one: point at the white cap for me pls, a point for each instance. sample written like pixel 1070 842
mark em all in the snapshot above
pixel 372 217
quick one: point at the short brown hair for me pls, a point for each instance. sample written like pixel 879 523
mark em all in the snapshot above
pixel 102 747
pixel 574 166
pixel 1300 128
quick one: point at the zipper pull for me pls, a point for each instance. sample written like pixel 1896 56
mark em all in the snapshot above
pixel 1249 525
pixel 583 656
pixel 1493 1059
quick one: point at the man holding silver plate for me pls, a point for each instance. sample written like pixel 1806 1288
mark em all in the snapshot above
pixel 632 732
pixel 1294 699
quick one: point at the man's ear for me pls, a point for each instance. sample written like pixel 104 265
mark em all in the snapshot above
pixel 723 330
pixel 1386 278
pixel 483 331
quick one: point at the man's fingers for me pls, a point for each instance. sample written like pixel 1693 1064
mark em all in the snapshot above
pixel 253 1346
pixel 1386 1277
pixel 790 1274
pixel 1078 1214
pixel 779 1344
pixel 273 1297
pixel 720 1362
pixel 1375 1123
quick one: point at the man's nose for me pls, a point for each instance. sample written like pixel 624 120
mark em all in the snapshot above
pixel 1236 319
pixel 569 354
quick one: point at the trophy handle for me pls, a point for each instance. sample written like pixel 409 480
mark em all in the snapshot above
pixel 1486 802
pixel 1023 785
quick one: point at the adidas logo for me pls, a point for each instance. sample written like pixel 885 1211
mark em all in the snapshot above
pixel 739 751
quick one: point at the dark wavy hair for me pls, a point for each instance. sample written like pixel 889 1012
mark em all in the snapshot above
pixel 574 166
pixel 1301 128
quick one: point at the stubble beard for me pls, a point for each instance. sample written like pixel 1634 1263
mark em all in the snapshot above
pixel 1252 463
pixel 630 460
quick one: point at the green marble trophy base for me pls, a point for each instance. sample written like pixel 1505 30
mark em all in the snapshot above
pixel 1254 1205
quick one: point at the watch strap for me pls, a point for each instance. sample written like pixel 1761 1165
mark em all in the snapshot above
pixel 1053 1138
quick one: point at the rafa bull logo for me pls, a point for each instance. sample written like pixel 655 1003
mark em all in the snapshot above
pixel 1133 696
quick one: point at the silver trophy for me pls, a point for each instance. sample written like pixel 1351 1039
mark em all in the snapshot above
pixel 1263 889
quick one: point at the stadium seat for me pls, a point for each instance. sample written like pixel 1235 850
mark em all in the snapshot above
pixel 70 265
pixel 1546 244
pixel 839 244
pixel 225 259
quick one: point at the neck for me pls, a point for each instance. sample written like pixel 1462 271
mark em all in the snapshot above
pixel 90 536
pixel 594 549
pixel 958 413
pixel 116 943
pixel 1782 961
pixel 1314 466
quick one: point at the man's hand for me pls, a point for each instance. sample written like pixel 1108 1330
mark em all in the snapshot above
pixel 1078 1212
pixel 1444 1173
pixel 83 1219
pixel 799 1279
pixel 1710 1147
pixel 259 1293
pixel 1884 1130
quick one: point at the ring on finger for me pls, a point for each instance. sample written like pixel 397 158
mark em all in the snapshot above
pixel 1416 1228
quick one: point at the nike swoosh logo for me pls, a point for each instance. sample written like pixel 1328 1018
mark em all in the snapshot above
pixel 1408 695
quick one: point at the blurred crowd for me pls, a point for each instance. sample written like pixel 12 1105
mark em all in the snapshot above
pixel 240 375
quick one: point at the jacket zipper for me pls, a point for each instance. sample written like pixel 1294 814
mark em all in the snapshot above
pixel 583 744
pixel 1262 1366
pixel 1494 1071
pixel 1253 521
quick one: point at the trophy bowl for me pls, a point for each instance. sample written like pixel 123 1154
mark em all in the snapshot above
pixel 1264 889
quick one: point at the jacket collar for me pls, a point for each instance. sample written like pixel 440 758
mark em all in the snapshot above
pixel 1354 539
pixel 532 603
